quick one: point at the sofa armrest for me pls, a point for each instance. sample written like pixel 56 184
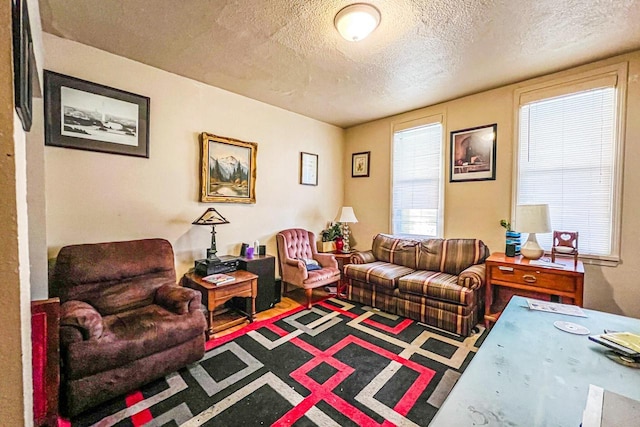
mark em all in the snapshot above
pixel 364 257
pixel 472 277
pixel 178 299
pixel 326 260
pixel 82 317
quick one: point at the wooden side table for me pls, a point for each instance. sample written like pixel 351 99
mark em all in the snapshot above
pixel 213 296
pixel 342 259
pixel 518 274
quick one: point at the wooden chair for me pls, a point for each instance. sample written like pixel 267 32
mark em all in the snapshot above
pixel 565 243
pixel 294 247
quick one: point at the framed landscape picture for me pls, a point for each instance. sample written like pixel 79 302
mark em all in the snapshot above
pixel 473 154
pixel 228 170
pixel 360 164
pixel 89 116
pixel 308 169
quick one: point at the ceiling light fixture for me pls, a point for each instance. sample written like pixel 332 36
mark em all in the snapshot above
pixel 357 21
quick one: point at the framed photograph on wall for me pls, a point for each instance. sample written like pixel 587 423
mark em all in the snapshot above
pixel 23 63
pixel 360 164
pixel 308 169
pixel 228 170
pixel 89 116
pixel 473 154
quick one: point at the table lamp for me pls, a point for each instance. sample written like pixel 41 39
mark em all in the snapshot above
pixel 211 217
pixel 532 219
pixel 345 216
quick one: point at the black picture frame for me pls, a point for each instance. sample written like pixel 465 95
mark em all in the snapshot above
pixel 96 117
pixel 308 169
pixel 23 63
pixel 473 154
pixel 360 164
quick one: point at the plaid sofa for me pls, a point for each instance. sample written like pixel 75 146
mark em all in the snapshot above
pixel 439 282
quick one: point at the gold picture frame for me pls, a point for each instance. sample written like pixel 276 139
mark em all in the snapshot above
pixel 228 172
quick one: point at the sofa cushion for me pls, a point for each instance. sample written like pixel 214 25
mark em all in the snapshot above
pixel 396 250
pixel 450 256
pixel 129 336
pixel 377 273
pixel 434 284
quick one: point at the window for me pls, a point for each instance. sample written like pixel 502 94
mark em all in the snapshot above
pixel 568 157
pixel 416 179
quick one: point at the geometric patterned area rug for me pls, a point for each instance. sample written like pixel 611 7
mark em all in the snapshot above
pixel 336 364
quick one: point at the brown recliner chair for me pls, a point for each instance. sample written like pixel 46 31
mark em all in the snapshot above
pixel 124 320
pixel 294 247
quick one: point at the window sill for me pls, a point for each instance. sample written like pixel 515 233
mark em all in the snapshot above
pixel 608 261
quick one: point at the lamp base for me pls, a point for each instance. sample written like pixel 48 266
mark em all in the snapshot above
pixel 531 249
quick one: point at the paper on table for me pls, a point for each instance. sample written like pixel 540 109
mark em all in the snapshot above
pixel 553 307
pixel 546 264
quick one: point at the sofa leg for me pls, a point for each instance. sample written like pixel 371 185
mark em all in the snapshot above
pixel 308 292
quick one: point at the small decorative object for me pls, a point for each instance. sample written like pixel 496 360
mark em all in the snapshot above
pixel 23 63
pixel 565 243
pixel 473 154
pixel 249 254
pixel 308 169
pixel 228 170
pixel 345 216
pixel 340 244
pixel 243 249
pixel 262 250
pixel 330 237
pixel 512 247
pixel 360 164
pixel 212 217
pixel 89 116
pixel 256 247
pixel 532 219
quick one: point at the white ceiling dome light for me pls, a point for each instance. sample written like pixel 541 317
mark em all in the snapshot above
pixel 357 21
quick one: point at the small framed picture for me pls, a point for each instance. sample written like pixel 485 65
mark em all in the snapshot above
pixel 308 169
pixel 360 164
pixel 89 116
pixel 473 154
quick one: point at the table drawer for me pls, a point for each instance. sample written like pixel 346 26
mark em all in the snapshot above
pixel 533 277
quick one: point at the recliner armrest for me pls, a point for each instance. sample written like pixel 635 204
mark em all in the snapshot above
pixel 178 299
pixel 472 277
pixel 83 317
pixel 326 260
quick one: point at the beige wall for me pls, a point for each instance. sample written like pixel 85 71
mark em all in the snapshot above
pixel 474 209
pixel 94 197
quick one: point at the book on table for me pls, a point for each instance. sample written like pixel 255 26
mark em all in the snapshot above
pixel 218 278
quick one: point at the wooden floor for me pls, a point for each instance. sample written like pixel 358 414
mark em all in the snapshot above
pixel 293 299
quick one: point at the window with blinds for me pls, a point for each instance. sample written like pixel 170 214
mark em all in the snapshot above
pixel 417 181
pixel 567 158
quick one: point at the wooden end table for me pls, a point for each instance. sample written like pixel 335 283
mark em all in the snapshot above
pixel 213 296
pixel 518 274
pixel 342 259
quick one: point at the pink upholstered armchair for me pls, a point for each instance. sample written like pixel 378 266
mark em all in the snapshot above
pixel 296 255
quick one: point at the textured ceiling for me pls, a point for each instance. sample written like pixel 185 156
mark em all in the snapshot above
pixel 288 53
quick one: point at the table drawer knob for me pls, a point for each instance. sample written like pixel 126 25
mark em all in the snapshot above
pixel 508 269
pixel 529 278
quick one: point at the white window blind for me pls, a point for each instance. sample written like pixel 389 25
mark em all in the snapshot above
pixel 567 155
pixel 416 181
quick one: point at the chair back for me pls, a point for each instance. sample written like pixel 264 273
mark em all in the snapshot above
pixel 115 276
pixel 296 243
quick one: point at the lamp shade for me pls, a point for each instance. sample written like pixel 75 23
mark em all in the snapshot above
pixel 357 21
pixel 346 215
pixel 533 219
